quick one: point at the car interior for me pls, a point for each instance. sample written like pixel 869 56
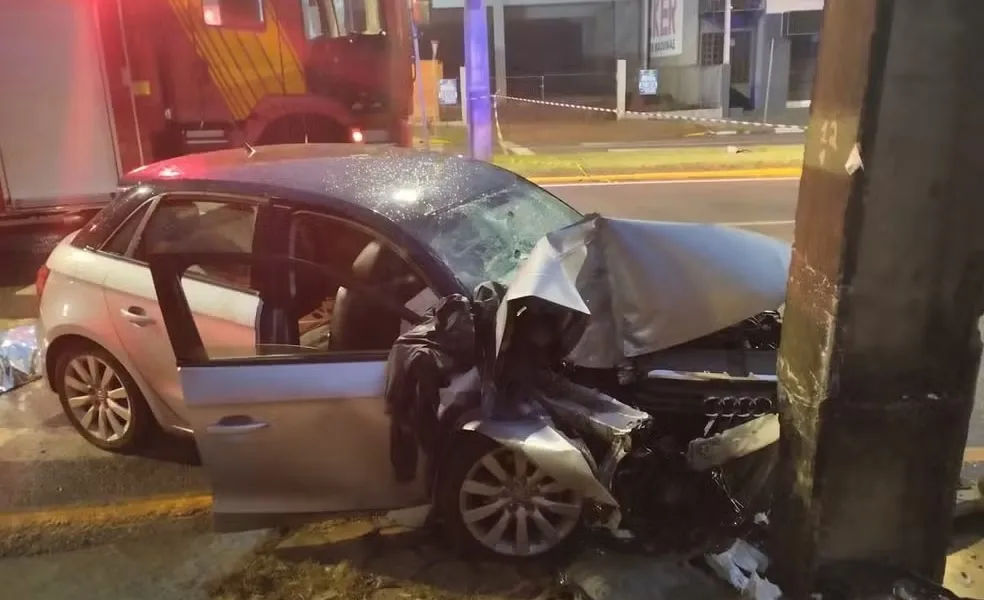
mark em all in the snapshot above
pixel 315 312
pixel 331 317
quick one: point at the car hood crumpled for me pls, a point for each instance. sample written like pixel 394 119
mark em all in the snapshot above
pixel 644 286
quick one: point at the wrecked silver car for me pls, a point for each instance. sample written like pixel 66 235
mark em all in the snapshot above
pixel 602 384
pixel 368 329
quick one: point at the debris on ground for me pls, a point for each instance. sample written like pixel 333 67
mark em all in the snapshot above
pixel 620 576
pixel 742 566
pixel 362 559
pixel 18 357
pixel 859 580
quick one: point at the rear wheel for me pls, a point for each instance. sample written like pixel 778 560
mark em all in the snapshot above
pixel 494 501
pixel 101 399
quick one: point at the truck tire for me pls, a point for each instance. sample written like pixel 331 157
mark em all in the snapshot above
pixel 299 129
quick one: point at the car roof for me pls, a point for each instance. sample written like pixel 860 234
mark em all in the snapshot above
pixel 398 183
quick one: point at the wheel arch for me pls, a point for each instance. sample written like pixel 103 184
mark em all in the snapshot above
pixel 59 343
pixel 272 109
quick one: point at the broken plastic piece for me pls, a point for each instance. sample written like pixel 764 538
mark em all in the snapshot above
pixel 707 453
pixel 414 517
pixel 760 588
pixel 741 565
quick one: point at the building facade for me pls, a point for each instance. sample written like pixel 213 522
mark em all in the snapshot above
pixel 569 47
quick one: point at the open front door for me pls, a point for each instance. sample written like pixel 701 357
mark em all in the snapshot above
pixel 284 428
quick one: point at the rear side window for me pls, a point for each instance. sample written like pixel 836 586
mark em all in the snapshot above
pixel 101 227
pixel 120 240
pixel 184 225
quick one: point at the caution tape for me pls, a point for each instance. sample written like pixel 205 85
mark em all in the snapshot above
pixel 660 115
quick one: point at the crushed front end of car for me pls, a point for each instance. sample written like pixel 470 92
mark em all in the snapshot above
pixel 633 362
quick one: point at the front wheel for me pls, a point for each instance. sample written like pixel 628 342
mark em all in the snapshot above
pixel 495 501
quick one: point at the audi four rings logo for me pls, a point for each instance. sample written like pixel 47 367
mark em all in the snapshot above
pixel 738 406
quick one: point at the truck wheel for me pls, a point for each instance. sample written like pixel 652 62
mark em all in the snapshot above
pixel 493 501
pixel 298 129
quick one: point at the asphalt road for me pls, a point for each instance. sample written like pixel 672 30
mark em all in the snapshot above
pixel 43 462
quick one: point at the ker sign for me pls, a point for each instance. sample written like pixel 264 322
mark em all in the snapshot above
pixel 666 31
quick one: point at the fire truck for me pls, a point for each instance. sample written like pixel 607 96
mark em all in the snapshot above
pixel 91 89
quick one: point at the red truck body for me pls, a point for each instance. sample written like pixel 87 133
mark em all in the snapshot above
pixel 91 89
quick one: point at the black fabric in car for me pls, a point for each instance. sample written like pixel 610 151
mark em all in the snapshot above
pixel 420 363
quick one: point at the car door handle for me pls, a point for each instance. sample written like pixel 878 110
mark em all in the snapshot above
pixel 136 315
pixel 221 429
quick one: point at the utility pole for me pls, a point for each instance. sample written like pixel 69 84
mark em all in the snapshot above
pixel 880 347
pixel 477 90
pixel 726 63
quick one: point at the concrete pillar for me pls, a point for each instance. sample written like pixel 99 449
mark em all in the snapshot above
pixel 770 37
pixel 880 345
pixel 499 44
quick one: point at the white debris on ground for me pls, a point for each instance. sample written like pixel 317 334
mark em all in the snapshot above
pixel 618 576
pixel 741 566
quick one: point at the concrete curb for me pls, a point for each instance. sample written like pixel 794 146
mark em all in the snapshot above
pixel 764 173
pixel 63 528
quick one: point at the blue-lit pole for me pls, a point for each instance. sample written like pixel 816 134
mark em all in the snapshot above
pixel 477 80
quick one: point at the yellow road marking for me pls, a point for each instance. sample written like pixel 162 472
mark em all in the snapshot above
pixel 974 454
pixel 109 514
pixel 767 173
pixel 165 507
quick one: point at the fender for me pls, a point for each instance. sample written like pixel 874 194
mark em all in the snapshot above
pixel 163 413
pixel 271 108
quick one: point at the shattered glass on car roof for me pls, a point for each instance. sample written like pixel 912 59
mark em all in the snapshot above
pixel 398 183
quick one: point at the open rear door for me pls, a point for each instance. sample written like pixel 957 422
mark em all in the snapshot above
pixel 284 430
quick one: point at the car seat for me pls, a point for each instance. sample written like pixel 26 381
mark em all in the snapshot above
pixel 361 325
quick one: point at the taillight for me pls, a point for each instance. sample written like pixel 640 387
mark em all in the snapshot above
pixel 40 279
pixel 357 136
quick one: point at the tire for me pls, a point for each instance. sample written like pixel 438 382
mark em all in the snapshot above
pixel 466 484
pixel 105 407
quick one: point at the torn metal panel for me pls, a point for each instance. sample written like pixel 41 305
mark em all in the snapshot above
pixel 18 357
pixel 646 286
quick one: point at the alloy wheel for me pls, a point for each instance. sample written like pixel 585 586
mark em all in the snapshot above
pixel 513 508
pixel 97 397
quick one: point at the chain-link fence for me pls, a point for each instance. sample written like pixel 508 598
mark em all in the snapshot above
pixel 589 89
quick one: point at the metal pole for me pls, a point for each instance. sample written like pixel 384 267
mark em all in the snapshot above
pixel 726 62
pixel 419 81
pixel 479 92
pixel 768 80
pixel 727 33
pixel 647 20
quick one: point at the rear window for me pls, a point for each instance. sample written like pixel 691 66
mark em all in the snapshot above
pixel 98 230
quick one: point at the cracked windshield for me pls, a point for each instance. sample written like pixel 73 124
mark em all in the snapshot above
pixel 487 300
